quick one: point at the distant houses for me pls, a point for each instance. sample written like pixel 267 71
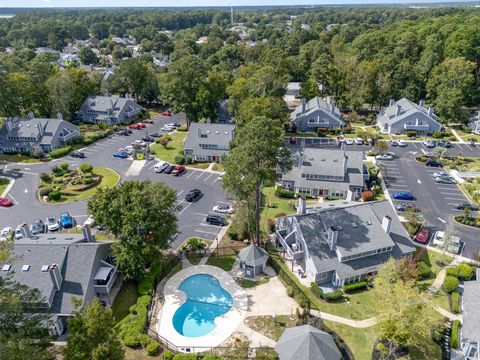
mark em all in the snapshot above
pixel 404 115
pixel 27 135
pixel 111 110
pixel 208 142
pixel 316 114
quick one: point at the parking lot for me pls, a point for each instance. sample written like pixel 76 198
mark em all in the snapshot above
pixel 191 216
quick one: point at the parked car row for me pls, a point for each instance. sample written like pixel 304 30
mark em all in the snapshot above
pixel 170 127
pixel 175 170
pixel 437 143
pixel 38 226
pixel 424 236
pixel 399 143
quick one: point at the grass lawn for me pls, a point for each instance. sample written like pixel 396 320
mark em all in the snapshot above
pixel 126 297
pixel 265 325
pixel 172 149
pixel 3 184
pixel 431 257
pixel 223 262
pixel 359 341
pixel 199 165
pixel 20 158
pixel 109 179
pixel 247 283
pixel 139 354
pixel 468 136
pixel 218 167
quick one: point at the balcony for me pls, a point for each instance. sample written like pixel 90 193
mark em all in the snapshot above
pixel 104 280
pixel 415 126
pixel 283 238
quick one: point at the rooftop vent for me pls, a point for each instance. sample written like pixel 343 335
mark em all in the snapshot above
pixel 369 222
pixel 354 225
pixel 226 132
pixel 339 227
pixel 44 268
pixel 6 267
pixel 25 268
pixel 217 132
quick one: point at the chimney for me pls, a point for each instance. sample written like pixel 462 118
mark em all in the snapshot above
pixel 392 102
pixel 304 105
pixel 422 103
pixel 26 231
pixel 350 195
pixel 30 115
pixel 387 224
pixel 398 109
pixel 87 234
pixel 430 111
pixel 59 116
pixel 9 125
pixel 332 108
pixel 56 276
pixel 302 205
pixel 332 237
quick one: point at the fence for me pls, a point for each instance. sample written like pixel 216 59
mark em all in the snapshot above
pixel 215 252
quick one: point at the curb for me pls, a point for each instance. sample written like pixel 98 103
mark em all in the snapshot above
pixel 465 225
pixel 9 186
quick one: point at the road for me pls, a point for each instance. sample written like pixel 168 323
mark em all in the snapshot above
pixel 191 216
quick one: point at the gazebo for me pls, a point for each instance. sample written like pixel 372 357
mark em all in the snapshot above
pixel 253 260
pixel 307 343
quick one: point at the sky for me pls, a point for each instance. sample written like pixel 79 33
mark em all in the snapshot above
pixel 180 3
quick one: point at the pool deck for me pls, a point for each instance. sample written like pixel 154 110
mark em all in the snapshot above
pixel 225 325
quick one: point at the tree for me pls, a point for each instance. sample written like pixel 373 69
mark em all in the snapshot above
pixel 440 152
pixel 271 107
pixel 447 239
pixel 381 146
pixel 310 89
pixel 86 168
pixel 92 334
pixel 404 319
pixel 252 160
pixel 87 56
pixel 141 215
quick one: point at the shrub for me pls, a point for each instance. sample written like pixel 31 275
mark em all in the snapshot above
pixel 145 286
pixel 152 348
pixel 423 270
pixel 367 195
pixel 355 286
pixel 195 243
pixel 454 336
pixel 411 133
pixel 45 191
pixel 301 300
pixel 64 167
pixel 271 225
pixel 130 328
pixel 467 129
pixel 450 284
pixel 182 128
pixel 167 355
pixel 86 168
pixel 452 271
pixel 465 272
pixel 88 181
pixel 438 134
pixel 54 195
pixel 333 296
pixel 438 331
pixel 232 233
pixel 179 159
pixel 456 302
pixel 102 126
pixel 185 357
pixel 284 193
pixel 45 177
pixel 289 291
pixel 163 142
pixel 212 357
pixel 60 152
pixel 188 160
pixel 316 289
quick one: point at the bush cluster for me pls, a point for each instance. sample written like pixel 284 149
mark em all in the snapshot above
pixel 54 195
pixel 60 152
pixel 131 327
pixel 423 270
pixel 462 272
pixel 355 286
pixel 180 159
pixel 450 284
pixel 454 336
pixel 284 193
pixel 333 296
pixel 456 302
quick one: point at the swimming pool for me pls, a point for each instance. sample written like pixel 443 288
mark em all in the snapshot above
pixel 206 300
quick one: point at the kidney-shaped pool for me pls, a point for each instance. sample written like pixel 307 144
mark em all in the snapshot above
pixel 206 300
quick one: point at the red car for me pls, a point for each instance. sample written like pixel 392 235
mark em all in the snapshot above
pixel 141 125
pixel 5 202
pixel 148 121
pixel 166 113
pixel 179 170
pixel 422 236
pixel 133 126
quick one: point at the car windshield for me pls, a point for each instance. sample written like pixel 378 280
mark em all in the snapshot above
pixel 51 220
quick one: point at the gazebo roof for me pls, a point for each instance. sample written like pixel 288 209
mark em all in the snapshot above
pixel 307 343
pixel 253 255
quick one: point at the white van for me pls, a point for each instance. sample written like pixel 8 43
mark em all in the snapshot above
pixel 160 166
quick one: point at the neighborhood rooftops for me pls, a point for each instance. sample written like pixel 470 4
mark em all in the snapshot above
pixel 203 138
pixel 317 103
pixel 111 109
pixel 402 109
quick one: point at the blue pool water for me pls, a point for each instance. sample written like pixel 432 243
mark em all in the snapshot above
pixel 206 300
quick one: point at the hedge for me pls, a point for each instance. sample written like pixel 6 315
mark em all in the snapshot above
pixel 45 191
pixel 152 348
pixel 423 270
pixel 316 289
pixel 60 152
pixel 355 286
pixel 450 284
pixel 284 193
pixel 333 296
pixel 54 195
pixel 454 336
pixel 465 272
pixel 452 271
pixel 456 302
pixel 131 327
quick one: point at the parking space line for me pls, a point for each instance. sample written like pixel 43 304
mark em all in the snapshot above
pixel 199 176
pixel 207 232
pixel 14 200
pixel 398 180
pixel 416 147
pixel 450 194
pixel 218 178
pixel 202 214
pixel 208 177
pixel 185 208
pixel 193 172
pixel 469 148
pixel 181 191
pixel 452 198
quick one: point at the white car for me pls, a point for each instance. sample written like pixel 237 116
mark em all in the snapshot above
pixel 440 174
pixel 18 233
pixel 6 233
pixel 401 143
pixel 438 240
pixel 393 142
pixel 349 141
pixel 90 221
pixel 223 209
pixel 167 128
pixel 160 166
pixel 358 141
pixel 139 143
pixel 387 157
pixel 52 223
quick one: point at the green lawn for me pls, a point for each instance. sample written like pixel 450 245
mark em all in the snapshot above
pixel 218 167
pixel 223 262
pixel 269 327
pixel 247 283
pixel 20 158
pixel 109 179
pixel 3 184
pixel 359 341
pixel 172 149
pixel 126 297
pixel 431 257
pixel 199 165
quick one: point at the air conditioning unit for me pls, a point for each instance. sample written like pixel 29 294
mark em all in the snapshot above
pixel 294 247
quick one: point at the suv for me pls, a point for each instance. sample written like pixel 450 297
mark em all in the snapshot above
pixel 77 154
pixel 37 227
pixel 193 195
pixel 216 220
pixel 432 163
pixel 66 220
pixel 453 247
pixel 463 206
pixel 160 166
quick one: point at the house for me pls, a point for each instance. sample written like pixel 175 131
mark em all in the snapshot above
pixel 314 114
pixel 64 267
pixel 322 172
pixel 470 330
pixel 253 260
pixel 208 141
pixel 112 110
pixel 20 135
pixel 404 115
pixel 474 123
pixel 306 342
pixel 342 242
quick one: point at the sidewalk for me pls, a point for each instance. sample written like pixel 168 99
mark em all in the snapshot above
pixel 454 132
pixel 341 320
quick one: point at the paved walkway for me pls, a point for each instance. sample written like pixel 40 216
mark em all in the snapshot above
pixel 136 167
pixel 448 314
pixel 458 137
pixel 341 320
pixel 437 284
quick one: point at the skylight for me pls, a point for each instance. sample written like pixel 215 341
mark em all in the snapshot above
pixel 44 268
pixel 6 267
pixel 25 268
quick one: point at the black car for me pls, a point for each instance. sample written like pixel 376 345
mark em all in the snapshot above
pixel 463 206
pixel 155 135
pixel 169 169
pixel 433 163
pixel 77 154
pixel 193 195
pixel 444 143
pixel 148 139
pixel 407 207
pixel 38 227
pixel 216 220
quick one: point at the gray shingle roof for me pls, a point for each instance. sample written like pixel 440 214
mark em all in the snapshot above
pixel 317 103
pixel 113 105
pixel 307 343
pixel 253 255
pixel 209 134
pixel 387 116
pixel 471 313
